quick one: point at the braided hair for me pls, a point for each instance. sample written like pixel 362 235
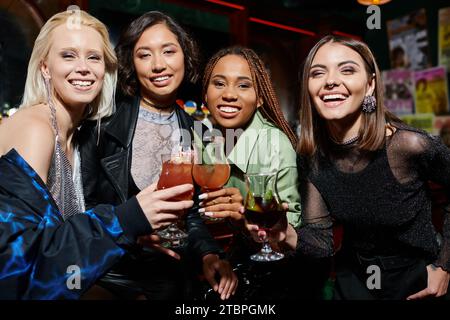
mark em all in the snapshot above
pixel 271 107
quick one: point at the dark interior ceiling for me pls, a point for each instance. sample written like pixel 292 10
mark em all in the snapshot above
pixel 316 7
pixel 343 14
pixel 308 13
pixel 310 5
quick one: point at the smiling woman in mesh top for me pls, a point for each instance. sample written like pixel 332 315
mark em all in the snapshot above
pixel 156 59
pixel 363 168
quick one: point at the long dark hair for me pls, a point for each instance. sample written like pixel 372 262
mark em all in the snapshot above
pixel 128 81
pixel 313 130
pixel 271 108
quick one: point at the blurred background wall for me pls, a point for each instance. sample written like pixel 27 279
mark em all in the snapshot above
pixel 281 31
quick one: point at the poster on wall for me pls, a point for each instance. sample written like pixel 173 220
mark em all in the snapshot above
pixel 444 38
pixel 424 121
pixel 431 91
pixel 408 41
pixel 399 91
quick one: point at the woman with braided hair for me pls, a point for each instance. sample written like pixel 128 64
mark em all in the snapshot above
pixel 239 94
pixel 157 58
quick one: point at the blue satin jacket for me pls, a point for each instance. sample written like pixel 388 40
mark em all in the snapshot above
pixel 41 255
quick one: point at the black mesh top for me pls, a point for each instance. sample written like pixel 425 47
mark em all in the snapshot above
pixel 381 198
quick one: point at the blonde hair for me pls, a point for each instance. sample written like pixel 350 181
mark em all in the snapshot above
pixel 35 90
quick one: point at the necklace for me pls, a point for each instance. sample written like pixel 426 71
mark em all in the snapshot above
pixel 153 107
pixel 346 142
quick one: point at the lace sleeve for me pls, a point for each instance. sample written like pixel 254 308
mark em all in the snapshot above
pixel 443 259
pixel 435 165
pixel 315 234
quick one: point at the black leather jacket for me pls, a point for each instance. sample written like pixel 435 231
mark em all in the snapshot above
pixel 106 167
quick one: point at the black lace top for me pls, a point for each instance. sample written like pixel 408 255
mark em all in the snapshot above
pixel 380 198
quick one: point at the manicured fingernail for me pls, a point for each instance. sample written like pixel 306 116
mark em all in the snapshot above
pixel 200 204
pixel 201 210
pixel 228 296
pixel 242 210
pixel 209 214
pixel 220 290
pixel 203 196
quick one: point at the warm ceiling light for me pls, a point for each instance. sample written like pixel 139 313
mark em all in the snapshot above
pixel 373 2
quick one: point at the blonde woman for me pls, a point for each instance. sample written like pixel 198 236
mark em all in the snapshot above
pixel 50 247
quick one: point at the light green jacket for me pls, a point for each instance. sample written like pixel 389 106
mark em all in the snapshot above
pixel 262 147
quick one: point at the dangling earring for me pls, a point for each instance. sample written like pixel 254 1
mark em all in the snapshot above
pixel 47 89
pixel 49 100
pixel 369 104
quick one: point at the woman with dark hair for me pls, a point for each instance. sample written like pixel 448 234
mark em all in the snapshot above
pixel 239 94
pixel 129 72
pixel 363 168
pixel 264 106
pixel 51 247
pixel 156 57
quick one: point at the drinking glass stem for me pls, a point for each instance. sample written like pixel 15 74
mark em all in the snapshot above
pixel 266 248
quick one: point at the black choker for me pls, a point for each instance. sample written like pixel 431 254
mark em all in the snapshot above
pixel 152 105
pixel 346 142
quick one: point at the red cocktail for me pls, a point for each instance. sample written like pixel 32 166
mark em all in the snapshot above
pixel 175 174
pixel 176 170
pixel 211 177
pixel 211 170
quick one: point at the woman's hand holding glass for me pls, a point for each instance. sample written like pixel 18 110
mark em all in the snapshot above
pixel 223 203
pixel 176 170
pixel 211 172
pixel 281 234
pixel 158 208
pixel 161 212
pixel 275 235
pixel 264 209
